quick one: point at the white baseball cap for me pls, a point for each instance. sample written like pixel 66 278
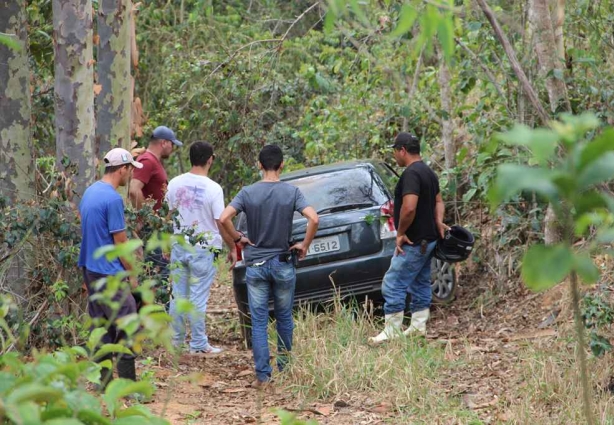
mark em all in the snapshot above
pixel 119 156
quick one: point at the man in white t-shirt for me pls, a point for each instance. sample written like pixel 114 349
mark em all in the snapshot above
pixel 200 202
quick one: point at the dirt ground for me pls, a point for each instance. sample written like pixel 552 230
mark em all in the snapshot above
pixel 486 333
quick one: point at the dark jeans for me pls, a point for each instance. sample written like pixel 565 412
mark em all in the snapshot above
pixel 100 310
pixel 280 279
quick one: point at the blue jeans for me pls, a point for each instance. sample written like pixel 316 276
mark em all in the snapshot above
pixel 408 272
pixel 281 277
pixel 192 276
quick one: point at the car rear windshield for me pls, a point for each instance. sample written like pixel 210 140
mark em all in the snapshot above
pixel 355 186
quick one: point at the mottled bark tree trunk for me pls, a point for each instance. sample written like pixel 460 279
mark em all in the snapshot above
pixel 74 89
pixel 550 65
pixel 16 178
pixel 113 103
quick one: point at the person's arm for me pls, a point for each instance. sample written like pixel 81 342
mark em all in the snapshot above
pixel 225 220
pixel 232 252
pixel 408 213
pixel 440 210
pixel 410 188
pixel 313 221
pixel 117 228
pixel 135 192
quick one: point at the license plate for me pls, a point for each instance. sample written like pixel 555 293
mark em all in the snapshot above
pixel 323 245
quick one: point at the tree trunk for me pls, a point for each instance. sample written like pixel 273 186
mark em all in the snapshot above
pixel 511 55
pixel 16 179
pixel 74 90
pixel 550 66
pixel 447 125
pixel 558 21
pixel 113 103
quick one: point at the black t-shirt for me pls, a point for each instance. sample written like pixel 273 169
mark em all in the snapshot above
pixel 418 179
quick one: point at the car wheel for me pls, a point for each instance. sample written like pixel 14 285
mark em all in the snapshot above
pixel 443 278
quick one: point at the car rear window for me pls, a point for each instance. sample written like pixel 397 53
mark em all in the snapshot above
pixel 358 185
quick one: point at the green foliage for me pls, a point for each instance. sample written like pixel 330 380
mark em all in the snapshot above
pixel 568 182
pixel 289 418
pixel 50 388
pixel 598 314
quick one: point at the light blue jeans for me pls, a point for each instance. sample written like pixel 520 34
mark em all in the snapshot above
pixel 280 277
pixel 192 275
pixel 409 272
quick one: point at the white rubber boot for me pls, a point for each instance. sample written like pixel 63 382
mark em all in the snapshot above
pixel 418 323
pixel 392 328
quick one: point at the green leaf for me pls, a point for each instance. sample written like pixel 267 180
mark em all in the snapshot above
pixel 33 392
pixel 600 170
pixel 94 339
pixel 407 17
pixel 595 149
pixel 585 267
pixel 11 41
pixel 445 33
pixel 92 417
pixel 513 178
pixel 329 20
pixel 360 14
pixel 543 266
pixel 111 348
pixel 119 388
pixel 64 421
pixel 125 250
pixel 589 201
pixel 542 142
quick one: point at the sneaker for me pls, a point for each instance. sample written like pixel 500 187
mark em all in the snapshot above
pixel 209 349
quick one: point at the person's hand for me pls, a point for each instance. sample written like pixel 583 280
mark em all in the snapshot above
pixel 441 229
pixel 401 240
pixel 232 258
pixel 166 256
pixel 244 241
pixel 134 282
pixel 301 249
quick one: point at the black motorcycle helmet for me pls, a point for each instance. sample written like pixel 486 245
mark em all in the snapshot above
pixel 455 246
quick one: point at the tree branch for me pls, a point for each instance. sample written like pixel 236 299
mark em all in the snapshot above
pixel 511 54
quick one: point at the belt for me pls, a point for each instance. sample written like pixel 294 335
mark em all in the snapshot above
pixel 286 257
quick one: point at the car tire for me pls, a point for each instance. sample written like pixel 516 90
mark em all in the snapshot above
pixel 443 281
pixel 245 325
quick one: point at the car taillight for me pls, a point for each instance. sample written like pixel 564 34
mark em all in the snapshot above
pixel 387 229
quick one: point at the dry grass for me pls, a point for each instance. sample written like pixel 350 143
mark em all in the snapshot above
pixel 549 390
pixel 332 361
pixel 408 379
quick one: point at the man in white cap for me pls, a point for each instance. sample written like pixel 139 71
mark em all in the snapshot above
pixel 102 223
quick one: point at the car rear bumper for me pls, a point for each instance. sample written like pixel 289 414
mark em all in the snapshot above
pixel 361 276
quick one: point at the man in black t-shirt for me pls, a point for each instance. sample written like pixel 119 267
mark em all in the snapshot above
pixel 418 218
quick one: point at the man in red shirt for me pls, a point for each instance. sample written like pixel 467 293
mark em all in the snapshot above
pixel 151 180
pixel 150 183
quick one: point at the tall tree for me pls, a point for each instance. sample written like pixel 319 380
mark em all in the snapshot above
pixel 16 180
pixel 74 88
pixel 548 53
pixel 114 102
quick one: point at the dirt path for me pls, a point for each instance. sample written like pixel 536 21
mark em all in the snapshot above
pixel 487 339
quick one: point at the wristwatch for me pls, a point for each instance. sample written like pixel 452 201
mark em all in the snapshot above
pixel 239 238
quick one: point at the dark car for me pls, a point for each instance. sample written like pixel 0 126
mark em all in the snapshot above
pixel 355 240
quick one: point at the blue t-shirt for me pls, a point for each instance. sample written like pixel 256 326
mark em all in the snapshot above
pixel 102 214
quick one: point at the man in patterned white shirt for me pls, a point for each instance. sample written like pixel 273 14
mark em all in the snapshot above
pixel 200 202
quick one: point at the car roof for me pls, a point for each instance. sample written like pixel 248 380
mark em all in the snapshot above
pixel 338 166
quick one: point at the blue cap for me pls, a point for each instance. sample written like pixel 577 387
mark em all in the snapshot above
pixel 165 133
